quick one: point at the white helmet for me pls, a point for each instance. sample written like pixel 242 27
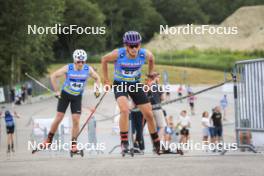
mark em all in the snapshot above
pixel 79 55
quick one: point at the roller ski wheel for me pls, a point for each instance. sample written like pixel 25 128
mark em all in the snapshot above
pixel 131 152
pixel 45 145
pixel 156 147
pixel 78 152
pixel 124 149
pixel 180 152
pixel 75 151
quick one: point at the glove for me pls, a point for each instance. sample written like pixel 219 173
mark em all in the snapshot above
pixel 58 94
pixel 97 94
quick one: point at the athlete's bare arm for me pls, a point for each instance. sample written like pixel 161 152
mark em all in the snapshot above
pixel 53 78
pixel 151 62
pixel 16 115
pixel 95 76
pixel 110 57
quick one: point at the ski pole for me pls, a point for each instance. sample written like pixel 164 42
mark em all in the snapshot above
pixel 41 84
pixel 89 117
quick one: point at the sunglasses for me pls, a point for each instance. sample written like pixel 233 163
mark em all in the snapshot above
pixel 133 46
pixel 80 62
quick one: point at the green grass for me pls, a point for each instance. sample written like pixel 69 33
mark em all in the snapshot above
pixel 194 76
pixel 199 67
pixel 214 59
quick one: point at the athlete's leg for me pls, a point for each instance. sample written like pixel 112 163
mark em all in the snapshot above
pixel 75 131
pixel 146 110
pixel 61 109
pixel 12 142
pixel 59 117
pixel 8 142
pixel 75 125
pixel 122 102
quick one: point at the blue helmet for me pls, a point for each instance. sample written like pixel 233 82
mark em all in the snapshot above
pixel 132 38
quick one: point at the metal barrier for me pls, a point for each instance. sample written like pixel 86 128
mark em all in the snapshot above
pixel 249 100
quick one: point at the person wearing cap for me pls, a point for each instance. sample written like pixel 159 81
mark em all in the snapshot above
pixel 76 76
pixel 156 96
pixel 128 62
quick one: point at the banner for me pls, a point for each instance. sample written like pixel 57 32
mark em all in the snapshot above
pixel 2 95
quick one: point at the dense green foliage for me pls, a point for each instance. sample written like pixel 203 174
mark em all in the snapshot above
pixel 20 52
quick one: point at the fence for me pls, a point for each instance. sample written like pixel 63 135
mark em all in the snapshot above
pixel 249 101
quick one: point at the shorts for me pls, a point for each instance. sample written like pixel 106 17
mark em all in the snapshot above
pixel 66 99
pixel 159 118
pixel 184 131
pixel 211 131
pixel 10 129
pixel 218 131
pixel 191 105
pixel 138 96
pixel 168 130
pixel 206 132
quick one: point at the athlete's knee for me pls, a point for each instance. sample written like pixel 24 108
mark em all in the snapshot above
pixel 75 122
pixel 148 115
pixel 124 112
pixel 59 116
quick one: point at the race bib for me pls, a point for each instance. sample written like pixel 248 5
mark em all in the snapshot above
pixel 77 86
pixel 130 73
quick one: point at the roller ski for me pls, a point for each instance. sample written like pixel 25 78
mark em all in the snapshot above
pixel 138 150
pixel 45 145
pixel 156 146
pixel 125 150
pixel 74 150
pixel 178 152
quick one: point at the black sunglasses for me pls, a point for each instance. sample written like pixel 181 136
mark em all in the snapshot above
pixel 133 46
pixel 80 62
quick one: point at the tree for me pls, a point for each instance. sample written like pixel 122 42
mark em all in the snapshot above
pixel 177 12
pixel 21 52
pixel 82 13
pixel 125 15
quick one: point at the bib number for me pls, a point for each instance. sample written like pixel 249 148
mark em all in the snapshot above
pixel 77 86
pixel 129 73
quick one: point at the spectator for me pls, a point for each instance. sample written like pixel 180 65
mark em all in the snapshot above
pixel 191 100
pixel 184 123
pixel 189 89
pixel 224 104
pixel 245 136
pixel 156 96
pixel 206 126
pixel 217 123
pixel 23 93
pixel 138 124
pixel 29 92
pixel 12 96
pixel 171 136
pixel 18 95
pixel 180 92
